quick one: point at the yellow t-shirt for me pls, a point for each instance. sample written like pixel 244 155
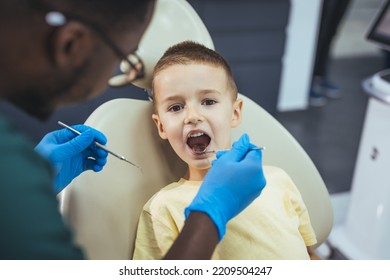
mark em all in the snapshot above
pixel 275 226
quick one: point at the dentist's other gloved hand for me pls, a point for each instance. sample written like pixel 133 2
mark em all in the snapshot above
pixel 235 179
pixel 71 154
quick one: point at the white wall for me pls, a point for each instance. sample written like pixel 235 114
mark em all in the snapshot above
pixel 299 54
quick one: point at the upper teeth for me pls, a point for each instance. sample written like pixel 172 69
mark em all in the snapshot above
pixel 196 134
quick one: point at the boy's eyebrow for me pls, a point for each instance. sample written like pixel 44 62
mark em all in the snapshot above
pixel 206 91
pixel 170 98
pixel 178 96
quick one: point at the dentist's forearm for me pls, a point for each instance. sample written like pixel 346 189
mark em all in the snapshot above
pixel 197 240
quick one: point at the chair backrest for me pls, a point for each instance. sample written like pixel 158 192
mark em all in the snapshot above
pixel 103 208
pixel 283 150
pixel 173 21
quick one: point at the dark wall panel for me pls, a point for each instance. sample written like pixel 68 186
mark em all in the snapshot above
pixel 250 46
pixel 244 15
pixel 258 81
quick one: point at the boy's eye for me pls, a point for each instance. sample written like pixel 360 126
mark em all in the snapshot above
pixel 208 102
pixel 175 108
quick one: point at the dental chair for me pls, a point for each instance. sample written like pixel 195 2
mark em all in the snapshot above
pixel 103 208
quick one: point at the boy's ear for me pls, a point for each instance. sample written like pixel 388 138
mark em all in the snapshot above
pixel 160 126
pixel 72 45
pixel 237 113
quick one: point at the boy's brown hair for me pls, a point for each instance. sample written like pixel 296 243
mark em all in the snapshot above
pixel 188 52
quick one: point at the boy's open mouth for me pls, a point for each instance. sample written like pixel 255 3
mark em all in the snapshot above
pixel 198 142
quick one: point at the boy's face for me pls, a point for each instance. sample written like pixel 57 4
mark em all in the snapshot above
pixel 195 111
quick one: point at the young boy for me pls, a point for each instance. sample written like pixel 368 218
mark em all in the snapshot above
pixel 196 105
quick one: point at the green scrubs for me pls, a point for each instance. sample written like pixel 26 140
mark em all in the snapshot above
pixel 31 226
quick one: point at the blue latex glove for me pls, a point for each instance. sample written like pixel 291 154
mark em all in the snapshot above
pixel 235 179
pixel 71 154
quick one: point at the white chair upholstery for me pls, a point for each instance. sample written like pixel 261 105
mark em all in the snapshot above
pixel 173 21
pixel 103 208
pixel 284 151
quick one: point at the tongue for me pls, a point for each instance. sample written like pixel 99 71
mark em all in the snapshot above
pixel 199 148
pixel 198 144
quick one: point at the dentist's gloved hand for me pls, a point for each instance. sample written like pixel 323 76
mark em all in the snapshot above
pixel 235 179
pixel 71 154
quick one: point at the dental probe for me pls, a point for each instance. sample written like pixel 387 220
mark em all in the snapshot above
pixel 99 145
pixel 254 148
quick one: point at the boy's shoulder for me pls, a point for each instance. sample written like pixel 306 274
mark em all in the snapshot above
pixel 182 190
pixel 271 170
pixel 279 178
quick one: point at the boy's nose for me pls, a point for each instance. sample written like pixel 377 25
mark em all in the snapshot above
pixel 193 116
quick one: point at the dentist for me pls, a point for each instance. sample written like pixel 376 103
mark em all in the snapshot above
pixel 54 53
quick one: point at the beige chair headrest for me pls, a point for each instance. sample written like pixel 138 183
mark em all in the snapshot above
pixel 174 21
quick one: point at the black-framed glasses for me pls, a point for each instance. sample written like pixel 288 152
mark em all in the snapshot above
pixel 134 69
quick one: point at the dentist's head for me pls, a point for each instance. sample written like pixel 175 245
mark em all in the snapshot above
pixel 61 52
